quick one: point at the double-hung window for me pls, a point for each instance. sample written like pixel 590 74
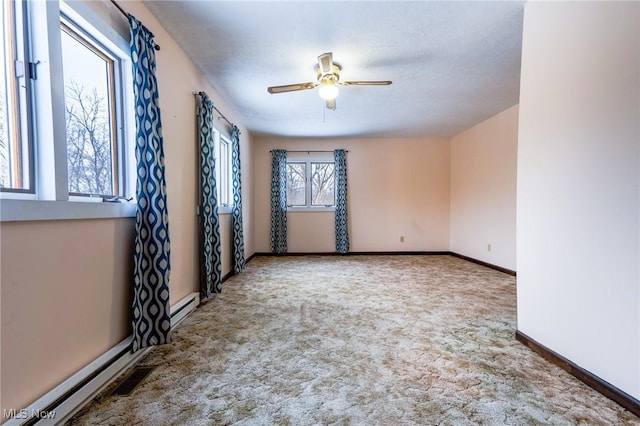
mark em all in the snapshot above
pixel 222 149
pixel 90 113
pixel 310 184
pixel 66 110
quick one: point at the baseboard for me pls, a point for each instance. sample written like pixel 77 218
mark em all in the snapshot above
pixel 232 272
pixel 228 275
pixel 392 253
pixel 605 388
pixel 304 253
pixel 62 402
pixel 480 262
pixel 356 253
pixel 398 253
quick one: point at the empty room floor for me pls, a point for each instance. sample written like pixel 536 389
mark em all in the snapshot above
pixel 356 340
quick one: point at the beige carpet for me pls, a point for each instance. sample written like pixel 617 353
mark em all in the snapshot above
pixel 361 340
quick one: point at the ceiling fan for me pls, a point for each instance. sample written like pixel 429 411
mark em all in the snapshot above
pixel 328 76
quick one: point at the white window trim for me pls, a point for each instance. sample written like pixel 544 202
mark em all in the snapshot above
pixel 51 200
pixel 299 209
pixel 309 207
pixel 32 210
pixel 228 207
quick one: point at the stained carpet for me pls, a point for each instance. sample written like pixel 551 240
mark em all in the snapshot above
pixel 355 340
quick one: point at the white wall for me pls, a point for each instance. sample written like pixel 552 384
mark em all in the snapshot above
pixel 483 190
pixel 396 187
pixel 578 201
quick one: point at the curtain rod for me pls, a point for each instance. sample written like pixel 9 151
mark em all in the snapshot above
pixel 126 15
pixel 217 110
pixel 310 151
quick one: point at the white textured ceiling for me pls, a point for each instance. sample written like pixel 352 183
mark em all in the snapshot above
pixel 453 64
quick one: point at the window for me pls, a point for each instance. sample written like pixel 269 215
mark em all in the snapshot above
pixel 15 150
pixel 310 184
pixel 223 170
pixel 222 156
pixel 66 122
pixel 90 114
pixel 322 184
pixel 296 184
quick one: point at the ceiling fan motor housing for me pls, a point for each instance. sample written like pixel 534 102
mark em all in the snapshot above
pixel 330 77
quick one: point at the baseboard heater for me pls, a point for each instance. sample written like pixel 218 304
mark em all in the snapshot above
pixel 58 405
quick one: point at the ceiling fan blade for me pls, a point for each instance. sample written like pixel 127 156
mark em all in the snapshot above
pixel 331 104
pixel 365 83
pixel 325 63
pixel 291 87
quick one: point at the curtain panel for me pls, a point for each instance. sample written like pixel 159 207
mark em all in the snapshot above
pixel 342 233
pixel 151 320
pixel 238 237
pixel 279 201
pixel 210 257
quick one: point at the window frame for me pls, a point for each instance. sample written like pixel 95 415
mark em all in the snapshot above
pixel 305 186
pixel 118 174
pixel 20 96
pixel 310 192
pixel 51 199
pixel 224 184
pixel 308 162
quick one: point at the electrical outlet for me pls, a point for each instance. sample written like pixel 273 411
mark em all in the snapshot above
pixel 402 238
pixel 488 247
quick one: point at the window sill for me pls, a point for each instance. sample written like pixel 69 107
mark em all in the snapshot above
pixel 31 210
pixel 310 209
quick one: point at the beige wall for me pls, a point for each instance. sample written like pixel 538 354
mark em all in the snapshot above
pixel 66 289
pixel 396 187
pixel 66 285
pixel 579 185
pixel 483 190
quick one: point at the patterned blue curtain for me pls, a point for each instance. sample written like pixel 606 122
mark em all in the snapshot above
pixel 152 267
pixel 342 234
pixel 238 238
pixel 279 201
pixel 210 259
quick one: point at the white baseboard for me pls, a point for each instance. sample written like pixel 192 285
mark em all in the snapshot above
pixel 58 405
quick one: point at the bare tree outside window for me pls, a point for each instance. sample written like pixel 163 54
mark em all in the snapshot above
pixel 89 113
pixel 322 184
pixel 310 184
pixel 296 178
pixel 89 159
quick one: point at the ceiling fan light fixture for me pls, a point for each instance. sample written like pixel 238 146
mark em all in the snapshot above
pixel 328 92
pixel 328 79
